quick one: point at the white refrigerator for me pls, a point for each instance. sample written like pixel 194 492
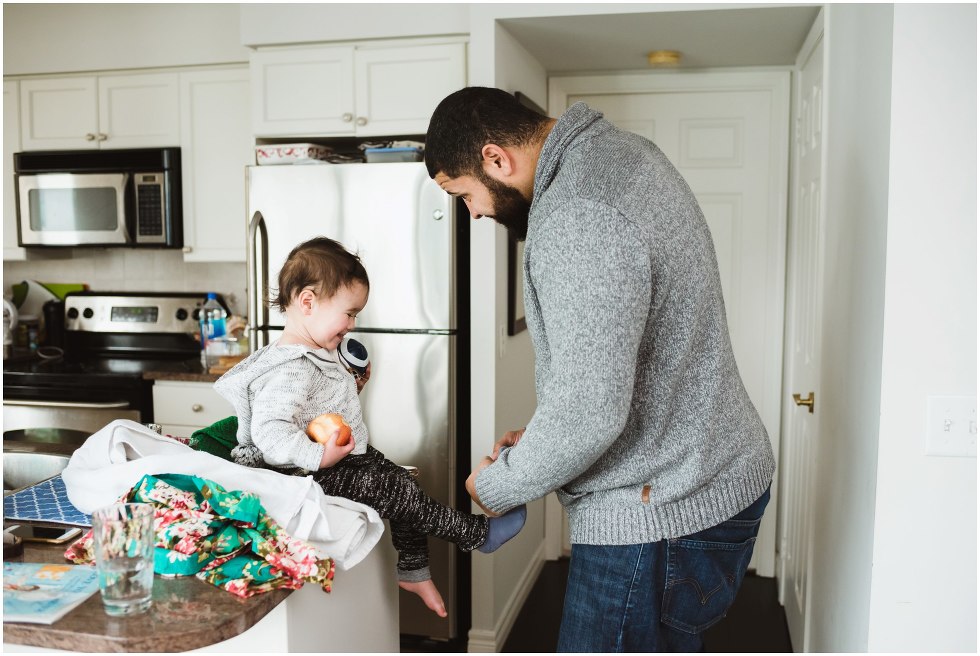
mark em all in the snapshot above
pixel 404 228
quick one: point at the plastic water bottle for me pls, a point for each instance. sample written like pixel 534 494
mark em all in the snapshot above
pixel 212 320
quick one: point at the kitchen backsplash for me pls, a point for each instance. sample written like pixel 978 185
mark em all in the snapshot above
pixel 133 270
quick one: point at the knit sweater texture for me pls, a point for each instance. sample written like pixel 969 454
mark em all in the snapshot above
pixel 643 425
pixel 276 391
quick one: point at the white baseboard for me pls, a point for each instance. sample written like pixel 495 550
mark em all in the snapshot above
pixel 485 641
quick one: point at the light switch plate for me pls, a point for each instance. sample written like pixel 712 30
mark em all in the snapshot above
pixel 952 426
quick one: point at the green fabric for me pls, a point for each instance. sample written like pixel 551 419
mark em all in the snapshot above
pixel 223 537
pixel 217 439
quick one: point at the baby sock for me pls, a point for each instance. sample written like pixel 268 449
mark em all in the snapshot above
pixel 503 528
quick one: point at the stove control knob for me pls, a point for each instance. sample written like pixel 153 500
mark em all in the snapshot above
pixel 87 313
pixel 197 314
pixel 72 313
pixel 181 314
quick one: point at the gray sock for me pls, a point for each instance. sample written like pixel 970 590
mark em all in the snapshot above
pixel 503 528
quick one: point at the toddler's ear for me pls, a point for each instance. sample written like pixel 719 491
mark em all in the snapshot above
pixel 307 300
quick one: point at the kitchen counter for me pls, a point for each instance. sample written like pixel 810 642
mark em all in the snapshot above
pixel 359 615
pixel 186 614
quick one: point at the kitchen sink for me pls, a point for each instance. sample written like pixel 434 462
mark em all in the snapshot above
pixel 23 468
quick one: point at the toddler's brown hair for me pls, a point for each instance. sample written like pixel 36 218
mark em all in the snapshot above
pixel 320 263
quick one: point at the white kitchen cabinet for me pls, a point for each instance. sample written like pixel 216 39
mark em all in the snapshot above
pixel 11 144
pixel 103 111
pixel 216 146
pixel 183 407
pixel 360 90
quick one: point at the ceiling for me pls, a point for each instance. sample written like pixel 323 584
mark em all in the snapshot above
pixel 761 36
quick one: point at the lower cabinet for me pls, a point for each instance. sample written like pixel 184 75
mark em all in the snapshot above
pixel 182 407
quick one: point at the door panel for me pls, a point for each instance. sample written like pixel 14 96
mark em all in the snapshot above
pixel 801 427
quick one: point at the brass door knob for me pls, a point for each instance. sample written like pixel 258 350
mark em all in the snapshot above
pixel 808 401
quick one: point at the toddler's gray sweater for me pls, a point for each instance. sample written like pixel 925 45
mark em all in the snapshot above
pixel 642 425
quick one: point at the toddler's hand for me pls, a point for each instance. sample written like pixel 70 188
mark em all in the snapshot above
pixel 361 380
pixel 332 454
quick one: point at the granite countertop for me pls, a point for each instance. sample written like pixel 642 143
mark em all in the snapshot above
pixel 186 614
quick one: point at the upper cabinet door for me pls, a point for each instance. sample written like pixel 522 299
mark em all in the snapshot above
pixel 89 112
pixel 399 87
pixel 303 91
pixel 139 111
pixel 59 113
pixel 216 146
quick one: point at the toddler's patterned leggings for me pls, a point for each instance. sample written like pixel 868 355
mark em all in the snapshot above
pixel 377 482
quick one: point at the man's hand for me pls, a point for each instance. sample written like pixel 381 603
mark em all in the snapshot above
pixel 471 485
pixel 510 438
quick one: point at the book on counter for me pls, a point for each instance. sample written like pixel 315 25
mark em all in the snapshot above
pixel 43 593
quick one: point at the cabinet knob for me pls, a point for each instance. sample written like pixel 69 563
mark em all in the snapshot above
pixel 197 407
pixel 347 118
pixel 361 120
pixel 89 137
pixel 103 137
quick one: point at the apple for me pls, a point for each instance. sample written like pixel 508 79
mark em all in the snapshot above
pixel 321 428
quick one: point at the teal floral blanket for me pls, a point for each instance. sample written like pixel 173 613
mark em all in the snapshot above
pixel 224 538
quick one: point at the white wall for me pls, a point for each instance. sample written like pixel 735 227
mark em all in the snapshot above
pixel 858 101
pixel 924 580
pixel 503 380
pixel 894 552
pixel 270 24
pixel 65 38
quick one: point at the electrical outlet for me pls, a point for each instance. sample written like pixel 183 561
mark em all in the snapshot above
pixel 501 341
pixel 952 426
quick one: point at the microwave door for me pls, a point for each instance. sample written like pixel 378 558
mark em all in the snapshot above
pixel 72 209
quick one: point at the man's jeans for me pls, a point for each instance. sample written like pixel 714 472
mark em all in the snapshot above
pixel 658 596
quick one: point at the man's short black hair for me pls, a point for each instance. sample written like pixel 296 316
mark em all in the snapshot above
pixel 467 120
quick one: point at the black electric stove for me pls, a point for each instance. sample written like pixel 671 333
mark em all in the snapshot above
pixel 111 340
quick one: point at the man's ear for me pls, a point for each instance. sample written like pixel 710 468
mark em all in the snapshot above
pixel 498 163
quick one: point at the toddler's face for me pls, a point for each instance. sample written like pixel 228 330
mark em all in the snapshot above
pixel 332 318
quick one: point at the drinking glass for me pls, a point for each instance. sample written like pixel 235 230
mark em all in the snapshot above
pixel 123 539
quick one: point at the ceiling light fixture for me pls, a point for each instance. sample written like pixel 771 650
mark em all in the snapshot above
pixel 664 58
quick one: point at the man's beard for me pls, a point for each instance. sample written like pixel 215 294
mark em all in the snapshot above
pixel 510 209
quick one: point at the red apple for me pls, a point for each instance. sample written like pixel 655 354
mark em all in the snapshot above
pixel 321 428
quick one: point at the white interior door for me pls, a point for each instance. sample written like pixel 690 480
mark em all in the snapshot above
pixel 802 375
pixel 726 134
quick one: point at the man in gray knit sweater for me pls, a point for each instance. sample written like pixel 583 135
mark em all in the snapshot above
pixel 643 426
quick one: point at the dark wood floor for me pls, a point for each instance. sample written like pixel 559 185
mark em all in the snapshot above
pixel 756 622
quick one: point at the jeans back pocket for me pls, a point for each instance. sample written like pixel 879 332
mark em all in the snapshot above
pixel 705 570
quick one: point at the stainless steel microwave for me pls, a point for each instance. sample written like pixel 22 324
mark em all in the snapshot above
pixel 129 197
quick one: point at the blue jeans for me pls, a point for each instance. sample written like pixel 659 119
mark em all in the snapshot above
pixel 657 596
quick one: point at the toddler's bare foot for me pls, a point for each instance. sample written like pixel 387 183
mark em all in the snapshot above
pixel 429 593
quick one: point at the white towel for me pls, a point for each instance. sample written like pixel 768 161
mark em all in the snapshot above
pixel 113 460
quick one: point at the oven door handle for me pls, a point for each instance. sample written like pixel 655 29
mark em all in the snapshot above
pixel 69 404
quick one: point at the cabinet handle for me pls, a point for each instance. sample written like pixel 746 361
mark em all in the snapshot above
pixel 361 120
pixel 197 407
pixel 347 118
pixel 103 137
pixel 89 137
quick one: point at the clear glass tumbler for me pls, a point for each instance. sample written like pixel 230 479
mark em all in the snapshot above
pixel 123 540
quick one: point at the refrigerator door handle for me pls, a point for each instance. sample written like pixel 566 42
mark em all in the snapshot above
pixel 257 268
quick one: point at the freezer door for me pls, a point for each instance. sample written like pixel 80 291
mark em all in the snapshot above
pixel 392 215
pixel 409 408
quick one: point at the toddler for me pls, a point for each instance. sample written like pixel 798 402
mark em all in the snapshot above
pixel 280 388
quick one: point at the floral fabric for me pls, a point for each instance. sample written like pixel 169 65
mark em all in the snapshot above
pixel 224 538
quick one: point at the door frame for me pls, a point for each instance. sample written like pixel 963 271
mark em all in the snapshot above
pixel 778 83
